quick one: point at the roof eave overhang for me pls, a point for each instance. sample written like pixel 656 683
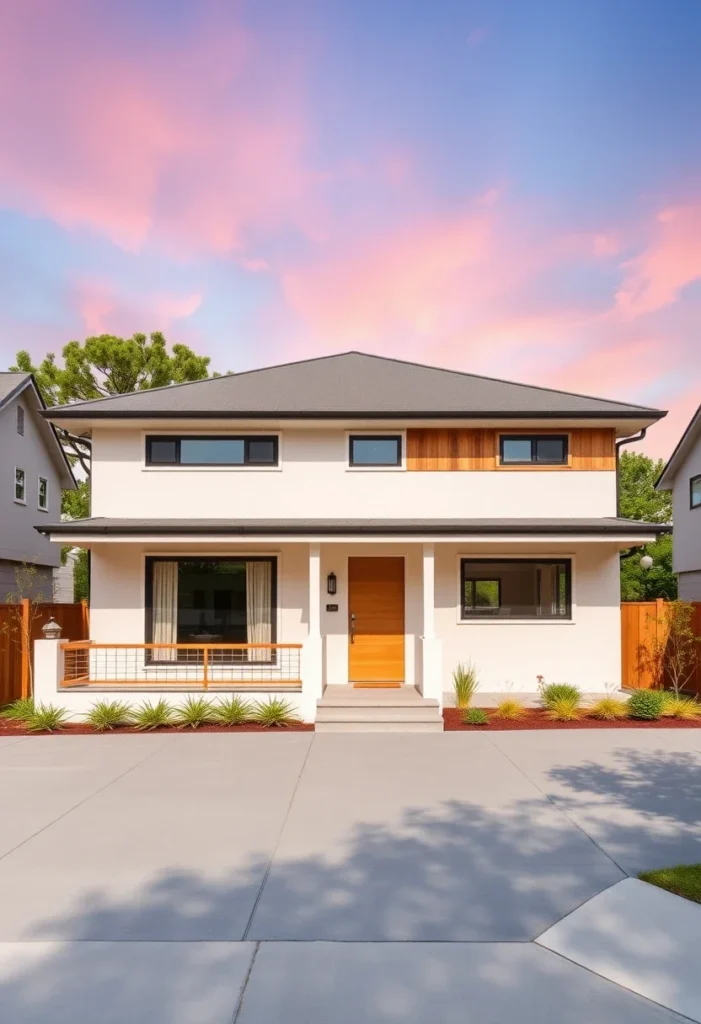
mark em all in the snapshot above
pixel 62 413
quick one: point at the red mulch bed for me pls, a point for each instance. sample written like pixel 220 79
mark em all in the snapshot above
pixel 77 729
pixel 535 718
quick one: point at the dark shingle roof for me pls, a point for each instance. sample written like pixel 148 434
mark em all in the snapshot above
pixel 352 384
pixel 386 527
pixel 10 383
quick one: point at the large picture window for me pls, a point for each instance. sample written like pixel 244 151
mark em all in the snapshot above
pixel 244 450
pixel 515 589
pixel 210 601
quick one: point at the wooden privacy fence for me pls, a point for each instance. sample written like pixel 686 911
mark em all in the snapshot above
pixel 20 625
pixel 643 623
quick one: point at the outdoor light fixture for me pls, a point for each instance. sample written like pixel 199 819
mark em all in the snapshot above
pixel 331 583
pixel 52 630
pixel 646 561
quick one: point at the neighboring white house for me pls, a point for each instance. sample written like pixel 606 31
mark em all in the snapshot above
pixel 682 476
pixel 33 471
pixel 389 519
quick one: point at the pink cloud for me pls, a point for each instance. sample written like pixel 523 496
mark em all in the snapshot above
pixel 102 311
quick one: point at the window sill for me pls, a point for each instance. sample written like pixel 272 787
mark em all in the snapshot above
pixel 19 501
pixel 375 469
pixel 40 509
pixel 211 469
pixel 514 622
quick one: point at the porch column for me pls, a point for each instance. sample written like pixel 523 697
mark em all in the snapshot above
pixel 432 647
pixel 312 650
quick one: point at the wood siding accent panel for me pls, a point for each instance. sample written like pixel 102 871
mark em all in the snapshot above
pixel 476 449
pixel 376 598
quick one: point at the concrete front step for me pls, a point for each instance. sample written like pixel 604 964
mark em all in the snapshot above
pixel 381 713
pixel 378 709
pixel 373 725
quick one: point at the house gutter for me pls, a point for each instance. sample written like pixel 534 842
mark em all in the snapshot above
pixel 619 444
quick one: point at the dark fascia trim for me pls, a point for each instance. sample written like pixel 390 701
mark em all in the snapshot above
pixel 360 529
pixel 74 412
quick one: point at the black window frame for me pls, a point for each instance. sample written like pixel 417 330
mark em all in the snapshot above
pixel 467 616
pixel 375 437
pixel 149 562
pixel 20 420
pixel 534 460
pixel 246 438
pixel 692 481
pixel 487 610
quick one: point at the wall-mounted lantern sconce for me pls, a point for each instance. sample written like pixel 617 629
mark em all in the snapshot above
pixel 52 630
pixel 331 583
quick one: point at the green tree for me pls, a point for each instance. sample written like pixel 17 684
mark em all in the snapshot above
pixel 106 365
pixel 639 500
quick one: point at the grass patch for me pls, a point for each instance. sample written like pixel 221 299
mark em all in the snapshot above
pixel 46 718
pixel 19 710
pixel 646 704
pixel 475 716
pixel 152 716
pixel 464 684
pixel 510 708
pixel 194 712
pixel 683 879
pixel 232 711
pixel 608 709
pixel 565 707
pixel 273 713
pixel 108 714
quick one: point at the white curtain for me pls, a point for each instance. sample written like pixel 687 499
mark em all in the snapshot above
pixel 259 607
pixel 165 609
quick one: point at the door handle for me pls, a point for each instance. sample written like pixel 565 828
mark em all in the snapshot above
pixel 352 627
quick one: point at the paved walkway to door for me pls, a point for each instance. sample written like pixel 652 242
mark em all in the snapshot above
pixel 207 879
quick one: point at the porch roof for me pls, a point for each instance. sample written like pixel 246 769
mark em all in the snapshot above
pixel 606 527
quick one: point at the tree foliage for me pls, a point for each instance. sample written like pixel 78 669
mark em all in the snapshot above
pixel 640 500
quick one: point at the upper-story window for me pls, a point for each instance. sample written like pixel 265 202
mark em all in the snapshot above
pixel 242 450
pixel 695 487
pixel 20 419
pixel 43 494
pixel 20 487
pixel 533 449
pixel 380 450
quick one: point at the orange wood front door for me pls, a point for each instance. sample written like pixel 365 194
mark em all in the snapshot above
pixel 376 621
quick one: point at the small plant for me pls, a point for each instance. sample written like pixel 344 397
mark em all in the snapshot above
pixel 475 716
pixel 232 711
pixel 608 709
pixel 273 713
pixel 551 693
pixel 676 706
pixel 108 714
pixel 464 684
pixel 19 710
pixel 152 716
pixel 194 712
pixel 565 707
pixel 510 708
pixel 46 718
pixel 646 704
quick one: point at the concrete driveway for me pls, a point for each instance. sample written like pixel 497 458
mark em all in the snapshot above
pixel 207 879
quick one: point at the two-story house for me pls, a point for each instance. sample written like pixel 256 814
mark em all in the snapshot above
pixel 34 471
pixel 682 476
pixel 345 523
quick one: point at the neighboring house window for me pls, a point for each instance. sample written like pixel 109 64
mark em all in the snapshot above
pixel 252 450
pixel 20 420
pixel 211 600
pixel 536 449
pixel 524 588
pixel 43 494
pixel 382 450
pixel 695 491
pixel 20 486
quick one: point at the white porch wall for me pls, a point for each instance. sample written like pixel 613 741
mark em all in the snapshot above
pixel 314 481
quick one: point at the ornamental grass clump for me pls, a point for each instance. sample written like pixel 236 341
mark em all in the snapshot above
pixel 273 713
pixel 475 716
pixel 510 708
pixel 551 693
pixel 46 718
pixel 232 711
pixel 646 704
pixel 19 710
pixel 149 716
pixel 565 707
pixel 675 705
pixel 196 711
pixel 608 709
pixel 108 714
pixel 464 684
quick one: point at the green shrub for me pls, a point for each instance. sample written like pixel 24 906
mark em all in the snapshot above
pixel 553 692
pixel 475 716
pixel 19 710
pixel 273 713
pixel 46 718
pixel 647 704
pixel 464 684
pixel 194 712
pixel 566 707
pixel 608 708
pixel 232 711
pixel 152 716
pixel 510 708
pixel 108 714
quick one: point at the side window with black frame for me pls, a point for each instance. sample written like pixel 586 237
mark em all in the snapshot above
pixel 222 450
pixel 533 449
pixel 695 491
pixel 525 588
pixel 380 450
